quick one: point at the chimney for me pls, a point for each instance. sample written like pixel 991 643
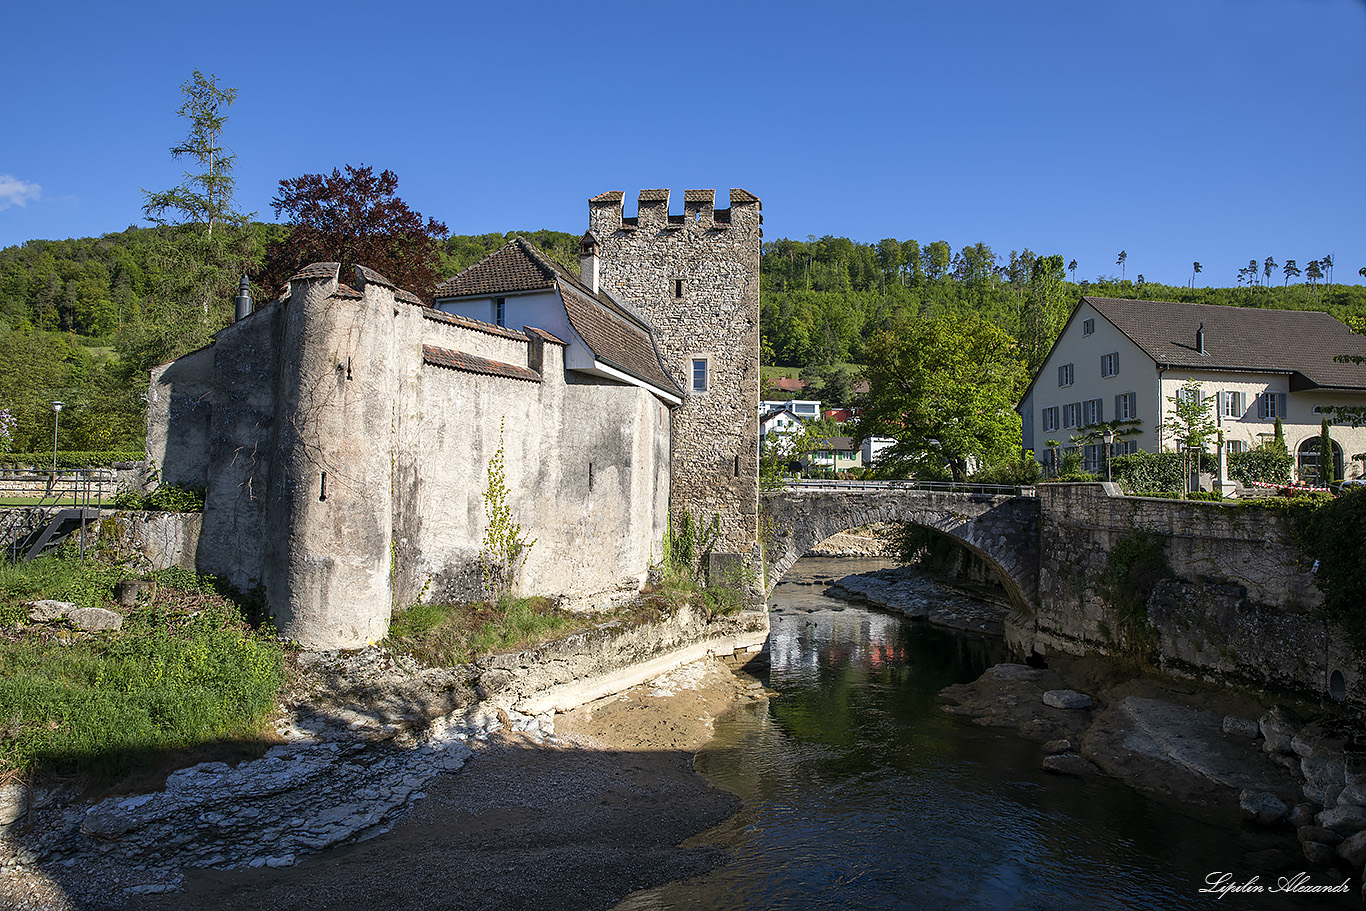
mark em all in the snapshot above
pixel 1200 339
pixel 244 305
pixel 588 261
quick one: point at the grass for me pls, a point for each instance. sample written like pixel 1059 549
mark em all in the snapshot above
pixel 447 635
pixel 185 670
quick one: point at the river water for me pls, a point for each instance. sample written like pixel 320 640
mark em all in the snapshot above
pixel 859 792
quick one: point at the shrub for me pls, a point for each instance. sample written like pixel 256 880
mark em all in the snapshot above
pixel 1149 472
pixel 1264 465
pixel 73 459
pixel 1332 534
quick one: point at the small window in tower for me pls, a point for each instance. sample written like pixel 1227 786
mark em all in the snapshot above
pixel 678 289
pixel 500 311
pixel 699 374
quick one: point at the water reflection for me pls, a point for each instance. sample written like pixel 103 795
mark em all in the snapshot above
pixel 860 793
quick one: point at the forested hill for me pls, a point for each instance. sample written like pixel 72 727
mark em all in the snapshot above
pixel 824 298
pixel 78 323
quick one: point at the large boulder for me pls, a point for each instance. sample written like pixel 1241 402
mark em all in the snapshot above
pixel 48 611
pixel 95 619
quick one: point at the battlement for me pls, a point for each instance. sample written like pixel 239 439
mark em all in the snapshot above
pixel 606 213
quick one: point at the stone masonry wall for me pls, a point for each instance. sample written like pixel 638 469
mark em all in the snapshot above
pixel 715 254
pixel 345 472
pixel 1242 608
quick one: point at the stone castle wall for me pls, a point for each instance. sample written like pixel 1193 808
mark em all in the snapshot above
pixel 715 255
pixel 345 459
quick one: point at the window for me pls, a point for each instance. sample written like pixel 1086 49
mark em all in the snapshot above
pixel 1065 375
pixel 1091 457
pixel 1092 412
pixel 1270 405
pixel 1122 448
pixel 699 374
pixel 1187 395
pixel 1109 364
pixel 500 311
pixel 1071 415
pixel 1233 447
pixel 1088 326
pixel 679 288
pixel 1050 419
pixel 1126 406
pixel 1231 404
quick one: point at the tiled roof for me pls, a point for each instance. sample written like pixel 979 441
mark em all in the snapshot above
pixel 616 335
pixel 408 297
pixel 1241 338
pixel 372 277
pixel 506 270
pixel 469 363
pixel 346 291
pixel 654 196
pixel 606 199
pixel 316 270
pixel 741 196
pixel 545 336
pixel 838 444
pixel 455 319
pixel 616 340
pixel 789 384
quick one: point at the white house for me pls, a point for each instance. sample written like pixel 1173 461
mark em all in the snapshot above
pixel 1119 360
pixel 784 418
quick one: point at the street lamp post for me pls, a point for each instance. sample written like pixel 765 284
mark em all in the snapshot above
pixel 1109 438
pixel 56 416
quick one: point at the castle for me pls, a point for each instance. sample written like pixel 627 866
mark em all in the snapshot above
pixel 344 433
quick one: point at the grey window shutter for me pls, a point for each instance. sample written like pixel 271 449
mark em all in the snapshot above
pixel 1261 406
pixel 1280 404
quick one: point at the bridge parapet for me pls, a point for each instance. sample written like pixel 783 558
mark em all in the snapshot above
pixel 1001 527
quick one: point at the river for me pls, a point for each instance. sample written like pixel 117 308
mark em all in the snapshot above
pixel 859 792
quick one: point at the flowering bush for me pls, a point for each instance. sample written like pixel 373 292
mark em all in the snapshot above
pixel 7 423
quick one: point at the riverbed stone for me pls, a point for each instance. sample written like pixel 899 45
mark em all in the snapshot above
pixel 1279 726
pixel 1345 820
pixel 1303 815
pixel 46 611
pixel 1353 850
pixel 1319 854
pixel 1066 699
pixel 1262 807
pixel 1319 834
pixel 95 619
pixel 1238 726
pixel 1061 745
pixel 1070 764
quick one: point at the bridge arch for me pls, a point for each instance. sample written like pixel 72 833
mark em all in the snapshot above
pixel 1001 529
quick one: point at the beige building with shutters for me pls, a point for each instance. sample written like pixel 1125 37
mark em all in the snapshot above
pixel 1126 360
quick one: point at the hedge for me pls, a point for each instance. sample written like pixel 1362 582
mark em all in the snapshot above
pixel 71 459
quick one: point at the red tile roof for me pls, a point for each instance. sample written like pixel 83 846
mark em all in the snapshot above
pixel 469 363
pixel 455 319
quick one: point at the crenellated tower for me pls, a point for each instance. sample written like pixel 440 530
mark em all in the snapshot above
pixel 695 277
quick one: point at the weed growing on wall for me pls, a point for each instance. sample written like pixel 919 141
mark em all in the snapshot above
pixel 505 546
pixel 1137 562
pixel 1332 534
pixel 689 543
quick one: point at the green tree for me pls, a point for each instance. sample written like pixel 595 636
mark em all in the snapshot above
pixel 1326 461
pixel 1190 425
pixel 945 390
pixel 1045 310
pixel 1195 270
pixel 205 195
pixel 197 267
pixel 1291 271
pixel 1120 261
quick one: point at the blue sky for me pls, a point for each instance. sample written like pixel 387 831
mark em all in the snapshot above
pixel 1210 130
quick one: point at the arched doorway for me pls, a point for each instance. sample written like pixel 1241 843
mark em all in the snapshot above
pixel 1307 461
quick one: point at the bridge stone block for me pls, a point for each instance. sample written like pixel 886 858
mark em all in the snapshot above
pixel 1003 530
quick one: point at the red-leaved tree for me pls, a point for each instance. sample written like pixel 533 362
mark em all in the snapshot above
pixel 354 219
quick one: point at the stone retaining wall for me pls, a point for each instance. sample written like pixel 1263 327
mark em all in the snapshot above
pixel 1242 606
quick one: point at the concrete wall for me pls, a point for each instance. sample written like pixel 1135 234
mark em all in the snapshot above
pixel 1243 606
pixel 715 451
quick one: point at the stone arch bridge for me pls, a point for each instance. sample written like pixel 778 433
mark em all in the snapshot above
pixel 998 524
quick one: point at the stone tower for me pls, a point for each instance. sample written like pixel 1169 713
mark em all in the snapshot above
pixel 695 277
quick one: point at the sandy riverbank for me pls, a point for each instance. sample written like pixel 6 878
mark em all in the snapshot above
pixel 577 823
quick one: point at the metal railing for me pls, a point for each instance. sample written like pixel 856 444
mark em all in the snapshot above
pixel 998 490
pixel 40 508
